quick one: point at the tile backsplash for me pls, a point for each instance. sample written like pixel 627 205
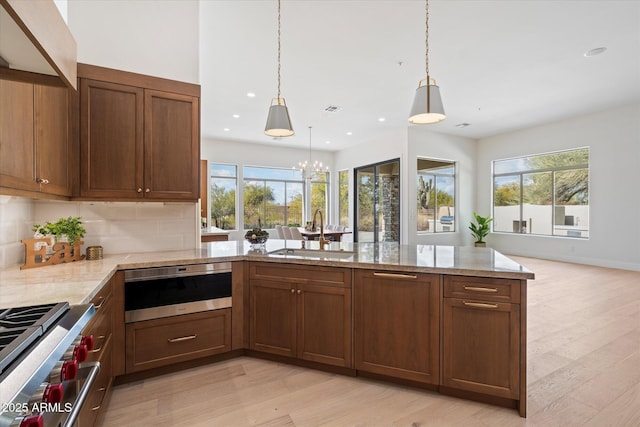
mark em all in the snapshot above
pixel 119 227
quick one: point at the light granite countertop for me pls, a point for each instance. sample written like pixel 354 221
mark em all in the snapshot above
pixel 78 282
pixel 214 231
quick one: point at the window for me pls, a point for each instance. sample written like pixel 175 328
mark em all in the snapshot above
pixel 343 198
pixel 272 196
pixel 223 196
pixel 319 193
pixel 546 194
pixel 436 190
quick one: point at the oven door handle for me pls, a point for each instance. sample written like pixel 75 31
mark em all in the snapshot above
pixel 91 371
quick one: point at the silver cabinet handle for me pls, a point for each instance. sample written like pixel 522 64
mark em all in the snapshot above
pixel 187 338
pixel 395 275
pixel 97 350
pixel 42 181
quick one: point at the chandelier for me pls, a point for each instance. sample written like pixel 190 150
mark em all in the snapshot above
pixel 307 168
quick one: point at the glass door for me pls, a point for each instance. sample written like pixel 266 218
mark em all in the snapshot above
pixel 377 202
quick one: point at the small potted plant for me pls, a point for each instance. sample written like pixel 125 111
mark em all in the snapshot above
pixel 480 229
pixel 69 229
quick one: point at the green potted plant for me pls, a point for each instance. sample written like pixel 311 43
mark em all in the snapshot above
pixel 480 229
pixel 70 228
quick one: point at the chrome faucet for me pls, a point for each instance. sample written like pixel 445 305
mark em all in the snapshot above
pixel 322 240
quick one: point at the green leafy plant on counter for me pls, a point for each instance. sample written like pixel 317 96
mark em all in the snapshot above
pixel 480 228
pixel 70 227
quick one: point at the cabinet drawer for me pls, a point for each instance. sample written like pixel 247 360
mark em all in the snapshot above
pixel 482 288
pixel 160 342
pixel 330 276
pixel 100 327
pixel 99 390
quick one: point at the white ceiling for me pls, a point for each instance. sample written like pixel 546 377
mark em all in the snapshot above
pixel 501 65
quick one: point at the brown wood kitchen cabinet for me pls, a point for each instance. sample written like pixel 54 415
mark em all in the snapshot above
pixel 101 328
pixel 397 318
pixel 482 346
pixel 301 312
pixel 35 148
pixel 139 136
pixel 163 341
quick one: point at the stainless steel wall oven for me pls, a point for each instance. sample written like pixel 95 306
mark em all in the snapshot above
pixel 152 293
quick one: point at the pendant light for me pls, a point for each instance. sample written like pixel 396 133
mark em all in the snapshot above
pixel 427 103
pixel 307 168
pixel 278 120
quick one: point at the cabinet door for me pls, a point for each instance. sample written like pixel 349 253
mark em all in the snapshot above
pixel 171 146
pixel 111 138
pixel 481 347
pixel 17 148
pixel 53 145
pixel 273 317
pixel 397 324
pixel 324 324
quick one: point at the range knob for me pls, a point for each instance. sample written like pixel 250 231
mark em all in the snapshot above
pixel 48 393
pixel 85 340
pixel 29 421
pixel 76 352
pixel 63 371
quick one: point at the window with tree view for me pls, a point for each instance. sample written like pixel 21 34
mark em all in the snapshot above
pixel 546 194
pixel 343 198
pixel 436 190
pixel 223 196
pixel 272 196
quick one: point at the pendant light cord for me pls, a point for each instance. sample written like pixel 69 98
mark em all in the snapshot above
pixel 426 38
pixel 278 52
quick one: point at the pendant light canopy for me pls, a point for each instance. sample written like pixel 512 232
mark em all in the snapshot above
pixel 427 104
pixel 278 120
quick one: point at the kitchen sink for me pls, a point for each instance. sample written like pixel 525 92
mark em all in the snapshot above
pixel 313 253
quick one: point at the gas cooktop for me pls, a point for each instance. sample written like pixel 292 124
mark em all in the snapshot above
pixel 21 326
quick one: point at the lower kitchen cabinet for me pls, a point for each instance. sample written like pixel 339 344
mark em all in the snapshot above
pixel 160 342
pixel 397 324
pixel 481 336
pixel 101 328
pixel 302 312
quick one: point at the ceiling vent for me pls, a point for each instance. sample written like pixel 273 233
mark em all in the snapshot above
pixel 332 109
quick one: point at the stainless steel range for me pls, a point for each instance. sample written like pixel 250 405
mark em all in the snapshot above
pixel 43 381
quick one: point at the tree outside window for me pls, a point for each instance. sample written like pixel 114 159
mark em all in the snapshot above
pixel 545 194
pixel 223 196
pixel 436 196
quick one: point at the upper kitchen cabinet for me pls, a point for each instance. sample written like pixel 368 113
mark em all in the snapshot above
pixel 35 147
pixel 35 38
pixel 139 136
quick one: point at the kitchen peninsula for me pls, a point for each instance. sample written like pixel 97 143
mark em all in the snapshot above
pixel 450 319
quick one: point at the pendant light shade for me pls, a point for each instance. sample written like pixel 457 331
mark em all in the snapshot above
pixel 427 104
pixel 278 120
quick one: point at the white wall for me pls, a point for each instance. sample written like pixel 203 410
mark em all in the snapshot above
pixel 158 38
pixel 247 154
pixel 614 139
pixel 427 144
pixel 16 220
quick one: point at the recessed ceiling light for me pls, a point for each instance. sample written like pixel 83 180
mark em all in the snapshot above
pixel 349 133
pixel 381 119
pixel 236 116
pixel 594 52
pixel 226 129
pixel 251 94
pixel 327 142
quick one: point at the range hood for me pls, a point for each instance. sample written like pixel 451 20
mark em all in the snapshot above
pixel 35 38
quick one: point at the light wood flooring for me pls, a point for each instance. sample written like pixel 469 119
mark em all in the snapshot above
pixel 583 370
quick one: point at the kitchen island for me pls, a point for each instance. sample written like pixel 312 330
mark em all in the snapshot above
pixel 450 319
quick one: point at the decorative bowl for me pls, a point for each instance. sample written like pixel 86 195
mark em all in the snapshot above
pixel 256 236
